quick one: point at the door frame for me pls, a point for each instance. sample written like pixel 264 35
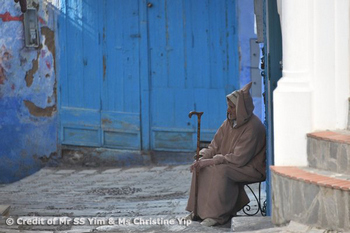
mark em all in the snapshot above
pixel 273 72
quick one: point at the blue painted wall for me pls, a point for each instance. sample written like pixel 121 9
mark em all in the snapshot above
pixel 28 119
pixel 245 33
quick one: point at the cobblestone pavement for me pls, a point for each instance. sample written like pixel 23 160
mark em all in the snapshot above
pixel 141 199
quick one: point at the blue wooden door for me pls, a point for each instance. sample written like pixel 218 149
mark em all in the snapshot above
pixel 193 65
pixel 79 73
pixel 120 98
pixel 99 73
pixel 126 61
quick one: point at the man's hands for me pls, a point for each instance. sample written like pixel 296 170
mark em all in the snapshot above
pixel 195 156
pixel 201 163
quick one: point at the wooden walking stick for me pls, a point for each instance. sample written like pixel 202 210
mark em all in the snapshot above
pixel 199 114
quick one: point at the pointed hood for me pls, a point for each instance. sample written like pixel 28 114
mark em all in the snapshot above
pixel 244 104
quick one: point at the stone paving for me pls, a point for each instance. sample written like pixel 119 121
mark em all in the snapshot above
pixel 139 199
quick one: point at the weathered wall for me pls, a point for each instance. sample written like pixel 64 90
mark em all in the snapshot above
pixel 28 116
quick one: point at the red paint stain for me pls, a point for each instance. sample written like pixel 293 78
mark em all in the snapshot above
pixel 13 86
pixel 7 17
pixel 41 20
pixel 48 64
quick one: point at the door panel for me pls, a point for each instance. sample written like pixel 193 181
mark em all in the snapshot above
pixel 100 103
pixel 80 92
pixel 80 127
pixel 193 65
pixel 121 89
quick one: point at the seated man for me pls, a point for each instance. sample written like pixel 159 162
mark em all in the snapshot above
pixel 236 155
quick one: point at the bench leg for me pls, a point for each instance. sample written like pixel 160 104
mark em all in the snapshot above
pixel 261 208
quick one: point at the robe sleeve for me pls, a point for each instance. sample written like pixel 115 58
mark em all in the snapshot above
pixel 245 148
pixel 214 146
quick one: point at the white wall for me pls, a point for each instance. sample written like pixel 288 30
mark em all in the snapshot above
pixel 312 94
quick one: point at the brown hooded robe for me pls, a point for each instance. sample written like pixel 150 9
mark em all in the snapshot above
pixel 239 154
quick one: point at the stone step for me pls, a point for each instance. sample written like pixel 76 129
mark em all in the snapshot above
pixel 4 209
pixel 329 150
pixel 310 196
pixel 244 224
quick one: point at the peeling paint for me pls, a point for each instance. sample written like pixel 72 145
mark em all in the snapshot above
pixel 50 43
pixel 49 39
pixel 106 121
pixel 5 57
pixel 2 75
pixel 30 74
pixel 104 67
pixel 39 112
pixel 28 114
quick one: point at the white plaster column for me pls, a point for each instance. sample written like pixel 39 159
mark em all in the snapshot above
pixel 293 95
pixel 342 64
pixel 338 63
